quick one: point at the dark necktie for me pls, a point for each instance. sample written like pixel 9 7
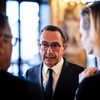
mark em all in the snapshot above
pixel 48 89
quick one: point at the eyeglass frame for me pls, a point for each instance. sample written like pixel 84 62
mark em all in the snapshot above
pixel 52 45
pixel 9 38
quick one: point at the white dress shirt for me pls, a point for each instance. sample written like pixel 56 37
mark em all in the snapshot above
pixel 56 73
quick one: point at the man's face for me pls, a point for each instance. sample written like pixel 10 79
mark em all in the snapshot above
pixel 5 49
pixel 52 54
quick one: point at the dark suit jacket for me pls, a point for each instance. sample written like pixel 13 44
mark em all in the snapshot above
pixel 13 87
pixel 67 83
pixel 89 89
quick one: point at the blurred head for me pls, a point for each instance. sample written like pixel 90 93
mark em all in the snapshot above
pixel 52 45
pixel 95 26
pixel 5 42
pixel 85 29
pixel 90 27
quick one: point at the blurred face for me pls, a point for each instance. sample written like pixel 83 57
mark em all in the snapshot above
pixel 85 36
pixel 5 49
pixel 52 47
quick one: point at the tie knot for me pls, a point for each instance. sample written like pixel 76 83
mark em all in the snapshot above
pixel 50 71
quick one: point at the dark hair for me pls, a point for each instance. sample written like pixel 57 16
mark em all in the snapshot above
pixel 3 21
pixel 84 11
pixel 85 14
pixel 95 4
pixel 54 28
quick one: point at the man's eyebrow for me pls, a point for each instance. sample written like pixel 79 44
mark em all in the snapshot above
pixel 6 35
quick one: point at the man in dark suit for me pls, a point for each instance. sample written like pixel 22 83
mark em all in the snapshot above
pixel 52 45
pixel 11 87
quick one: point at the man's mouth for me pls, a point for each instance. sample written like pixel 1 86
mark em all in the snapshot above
pixel 50 57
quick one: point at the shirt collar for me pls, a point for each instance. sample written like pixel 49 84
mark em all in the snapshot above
pixel 57 68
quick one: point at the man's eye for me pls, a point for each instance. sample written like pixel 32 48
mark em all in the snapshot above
pixel 45 45
pixel 55 45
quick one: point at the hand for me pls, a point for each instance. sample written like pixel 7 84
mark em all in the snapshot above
pixel 87 73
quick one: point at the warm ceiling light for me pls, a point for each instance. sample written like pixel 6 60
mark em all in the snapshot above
pixel 66 1
pixel 77 1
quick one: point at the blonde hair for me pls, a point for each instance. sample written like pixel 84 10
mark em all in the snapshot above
pixel 95 26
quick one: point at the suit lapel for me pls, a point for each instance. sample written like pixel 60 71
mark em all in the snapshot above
pixel 63 79
pixel 40 76
pixel 41 81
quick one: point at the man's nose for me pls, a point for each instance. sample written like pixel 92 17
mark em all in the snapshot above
pixel 49 49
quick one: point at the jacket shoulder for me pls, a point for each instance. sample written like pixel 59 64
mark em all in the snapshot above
pixel 36 67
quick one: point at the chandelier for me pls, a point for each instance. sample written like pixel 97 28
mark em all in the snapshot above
pixel 79 1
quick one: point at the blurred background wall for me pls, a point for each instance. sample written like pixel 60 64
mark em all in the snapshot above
pixel 28 17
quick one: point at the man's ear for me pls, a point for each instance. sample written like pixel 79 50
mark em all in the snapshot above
pixel 65 46
pixel 1 46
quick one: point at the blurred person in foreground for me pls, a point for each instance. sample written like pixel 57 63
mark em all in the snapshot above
pixel 90 78
pixel 11 87
pixel 52 44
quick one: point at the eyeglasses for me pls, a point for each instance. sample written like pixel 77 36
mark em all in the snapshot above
pixel 14 41
pixel 55 46
pixel 8 38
